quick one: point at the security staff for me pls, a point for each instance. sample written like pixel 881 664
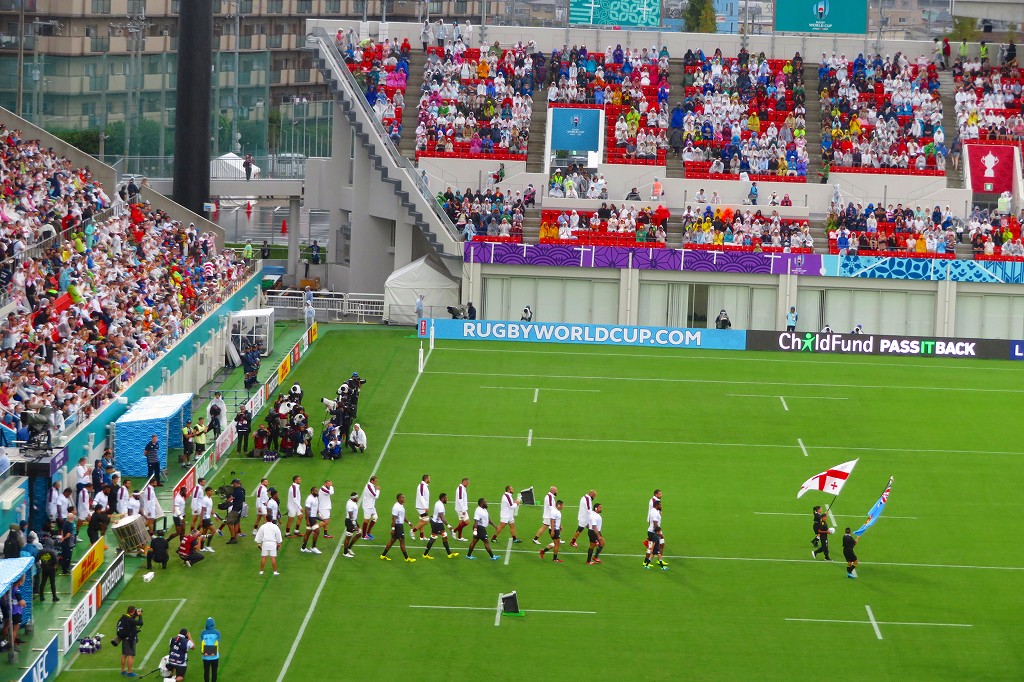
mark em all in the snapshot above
pixel 823 530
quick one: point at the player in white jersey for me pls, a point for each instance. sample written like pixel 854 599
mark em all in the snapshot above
pixel 655 537
pixel 422 506
pixel 312 509
pixel 549 505
pixel 178 513
pixel 509 507
pixel 262 496
pixel 555 529
pixel 295 511
pixel 583 516
pixel 462 509
pixel 371 491
pixel 352 532
pixel 481 520
pixel 325 493
pixel 656 497
pixel 197 504
pixel 439 528
pixel 397 529
pixel 207 522
pixel 596 538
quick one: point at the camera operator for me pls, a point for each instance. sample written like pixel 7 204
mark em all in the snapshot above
pixel 722 321
pixel 128 627
pixel 177 656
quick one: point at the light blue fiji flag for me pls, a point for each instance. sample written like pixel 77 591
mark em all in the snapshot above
pixel 876 510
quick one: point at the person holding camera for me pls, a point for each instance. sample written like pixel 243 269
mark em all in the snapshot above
pixel 723 321
pixel 127 634
pixel 177 656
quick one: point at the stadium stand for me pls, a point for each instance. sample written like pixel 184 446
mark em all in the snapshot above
pixel 383 70
pixel 101 286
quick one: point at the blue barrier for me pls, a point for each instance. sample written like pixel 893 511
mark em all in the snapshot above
pixel 601 334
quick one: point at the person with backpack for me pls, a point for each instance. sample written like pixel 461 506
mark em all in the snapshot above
pixel 48 569
pixel 216 414
pixel 209 641
pixel 13 543
pixel 127 634
pixel 177 656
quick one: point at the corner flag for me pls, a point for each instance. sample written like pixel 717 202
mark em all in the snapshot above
pixel 876 510
pixel 831 481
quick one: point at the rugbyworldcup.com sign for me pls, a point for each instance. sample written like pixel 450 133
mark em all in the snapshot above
pixel 821 16
pixel 564 332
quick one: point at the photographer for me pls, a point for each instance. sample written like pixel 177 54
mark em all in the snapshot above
pixel 722 321
pixel 177 656
pixel 127 634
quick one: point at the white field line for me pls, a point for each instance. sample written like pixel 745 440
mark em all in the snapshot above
pixel 730 358
pixel 163 633
pixel 339 545
pixel 784 405
pixel 536 394
pixel 803 448
pixel 874 623
pixel 705 443
pixel 838 516
pixel 879 622
pixel 873 387
pixel 546 388
pixel 529 438
pixel 783 398
pixel 508 551
pixel 497 613
pixel 485 608
pixel 771 560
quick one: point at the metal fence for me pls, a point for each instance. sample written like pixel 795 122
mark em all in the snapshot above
pixel 275 167
pixel 335 306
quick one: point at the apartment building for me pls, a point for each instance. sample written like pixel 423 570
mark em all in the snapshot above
pixel 102 64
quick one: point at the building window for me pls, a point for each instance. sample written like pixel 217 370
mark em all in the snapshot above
pixel 275 6
pixel 245 7
pixel 437 7
pixel 88 108
pixel 343 254
pixel 304 7
pixel 334 6
pixel 101 6
pixel 461 7
pixel 175 6
pixel 274 42
pixel 97 44
pixel 358 6
pixel 136 7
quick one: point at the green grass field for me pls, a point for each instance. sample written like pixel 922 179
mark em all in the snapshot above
pixel 942 572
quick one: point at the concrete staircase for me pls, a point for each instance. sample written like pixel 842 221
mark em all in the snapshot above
pixel 412 97
pixel 812 102
pixel 954 176
pixel 538 128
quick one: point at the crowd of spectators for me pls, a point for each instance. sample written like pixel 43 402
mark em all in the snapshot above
pixel 716 225
pixel 382 69
pixel 113 288
pixel 881 114
pixel 988 98
pixel 476 103
pixel 613 224
pixel 488 213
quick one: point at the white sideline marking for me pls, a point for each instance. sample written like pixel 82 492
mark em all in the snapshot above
pixel 730 358
pixel 779 561
pixel 874 623
pixel 546 388
pixel 575 377
pixel 529 438
pixel 508 552
pixel 784 405
pixel 337 549
pixel 497 613
pixel 163 633
pixel 802 446
pixel 705 443
pixel 486 608
pixel 536 394
pixel 877 622
pixel 838 516
pixel 103 613
pixel 792 397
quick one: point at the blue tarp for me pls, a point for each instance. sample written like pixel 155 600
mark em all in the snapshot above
pixel 164 415
pixel 10 571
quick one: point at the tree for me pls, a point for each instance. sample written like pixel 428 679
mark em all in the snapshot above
pixel 964 28
pixel 699 17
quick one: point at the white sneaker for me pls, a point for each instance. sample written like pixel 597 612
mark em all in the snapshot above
pixel 304 550
pixel 462 539
pixel 261 572
pixel 350 554
pixel 276 573
pixel 314 550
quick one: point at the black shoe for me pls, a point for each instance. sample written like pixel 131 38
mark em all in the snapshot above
pixel 56 598
pixel 232 541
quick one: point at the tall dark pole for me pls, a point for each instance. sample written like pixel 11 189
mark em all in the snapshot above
pixel 192 115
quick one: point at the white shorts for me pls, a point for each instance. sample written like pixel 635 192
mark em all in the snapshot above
pixel 463 515
pixel 295 511
pixel 269 549
pixel 369 513
pixel 546 520
pixel 261 510
pixel 325 514
pixel 508 518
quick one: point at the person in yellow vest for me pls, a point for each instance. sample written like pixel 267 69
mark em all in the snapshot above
pixel 199 436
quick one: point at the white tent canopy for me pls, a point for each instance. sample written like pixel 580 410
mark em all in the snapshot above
pixel 229 167
pixel 419 277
